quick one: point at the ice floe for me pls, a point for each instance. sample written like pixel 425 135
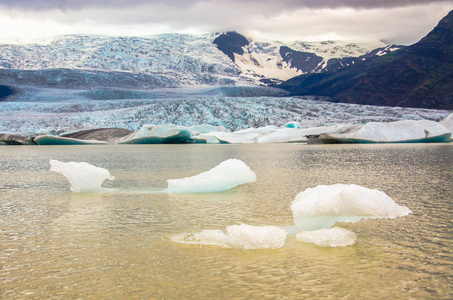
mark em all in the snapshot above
pixel 238 236
pixel 448 122
pixel 321 207
pixel 83 177
pixel 408 131
pixel 157 134
pixel 225 176
pixel 60 140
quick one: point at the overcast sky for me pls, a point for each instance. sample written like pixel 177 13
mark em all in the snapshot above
pixel 391 21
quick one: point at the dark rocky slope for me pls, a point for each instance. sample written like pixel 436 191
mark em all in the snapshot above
pixel 420 75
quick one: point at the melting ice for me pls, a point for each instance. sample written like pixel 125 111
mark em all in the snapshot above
pixel 317 209
pixel 82 176
pixel 323 206
pixel 238 236
pixel 225 176
pixel 333 237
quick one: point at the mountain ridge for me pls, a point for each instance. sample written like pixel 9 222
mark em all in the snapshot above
pixel 416 76
pixel 185 60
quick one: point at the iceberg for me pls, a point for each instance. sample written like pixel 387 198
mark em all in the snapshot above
pixel 225 176
pixel 448 122
pixel 59 140
pixel 157 134
pixel 206 138
pixel 238 236
pixel 408 131
pixel 323 206
pixel 245 136
pixel 83 177
pixel 333 237
pixel 298 135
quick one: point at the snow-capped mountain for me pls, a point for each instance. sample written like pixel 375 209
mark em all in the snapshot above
pixel 264 61
pixel 169 60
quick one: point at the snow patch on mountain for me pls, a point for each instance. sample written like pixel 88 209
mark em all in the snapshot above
pixel 267 59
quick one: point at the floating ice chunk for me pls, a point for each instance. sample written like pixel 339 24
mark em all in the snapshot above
pixel 206 138
pixel 238 236
pixel 333 237
pixel 448 122
pixel 59 140
pixel 82 176
pixel 225 176
pixel 323 206
pixel 408 131
pixel 294 135
pixel 157 134
pixel 253 237
pixel 246 136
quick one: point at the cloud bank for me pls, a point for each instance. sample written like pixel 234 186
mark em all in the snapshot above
pixel 397 21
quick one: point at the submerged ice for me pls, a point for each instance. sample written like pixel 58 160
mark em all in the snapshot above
pixel 238 236
pixel 225 176
pixel 333 237
pixel 82 176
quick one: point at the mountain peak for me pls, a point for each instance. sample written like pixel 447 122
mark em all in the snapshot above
pixel 231 42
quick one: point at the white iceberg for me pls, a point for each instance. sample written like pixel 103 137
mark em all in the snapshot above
pixel 333 237
pixel 238 236
pixel 157 134
pixel 297 135
pixel 82 176
pixel 323 206
pixel 246 136
pixel 206 138
pixel 448 122
pixel 408 131
pixel 225 176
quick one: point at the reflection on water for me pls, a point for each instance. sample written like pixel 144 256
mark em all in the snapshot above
pixel 57 244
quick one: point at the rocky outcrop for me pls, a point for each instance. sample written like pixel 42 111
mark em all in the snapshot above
pixel 15 139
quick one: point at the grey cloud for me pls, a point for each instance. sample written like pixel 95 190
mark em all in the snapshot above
pixel 257 5
pixel 396 21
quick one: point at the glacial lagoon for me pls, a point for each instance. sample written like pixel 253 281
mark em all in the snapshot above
pixel 55 243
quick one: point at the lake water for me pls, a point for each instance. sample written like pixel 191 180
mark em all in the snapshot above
pixel 63 245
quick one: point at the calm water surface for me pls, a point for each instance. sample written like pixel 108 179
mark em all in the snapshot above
pixel 62 245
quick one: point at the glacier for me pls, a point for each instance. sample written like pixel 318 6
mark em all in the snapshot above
pixel 53 112
pixel 83 177
pixel 227 175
